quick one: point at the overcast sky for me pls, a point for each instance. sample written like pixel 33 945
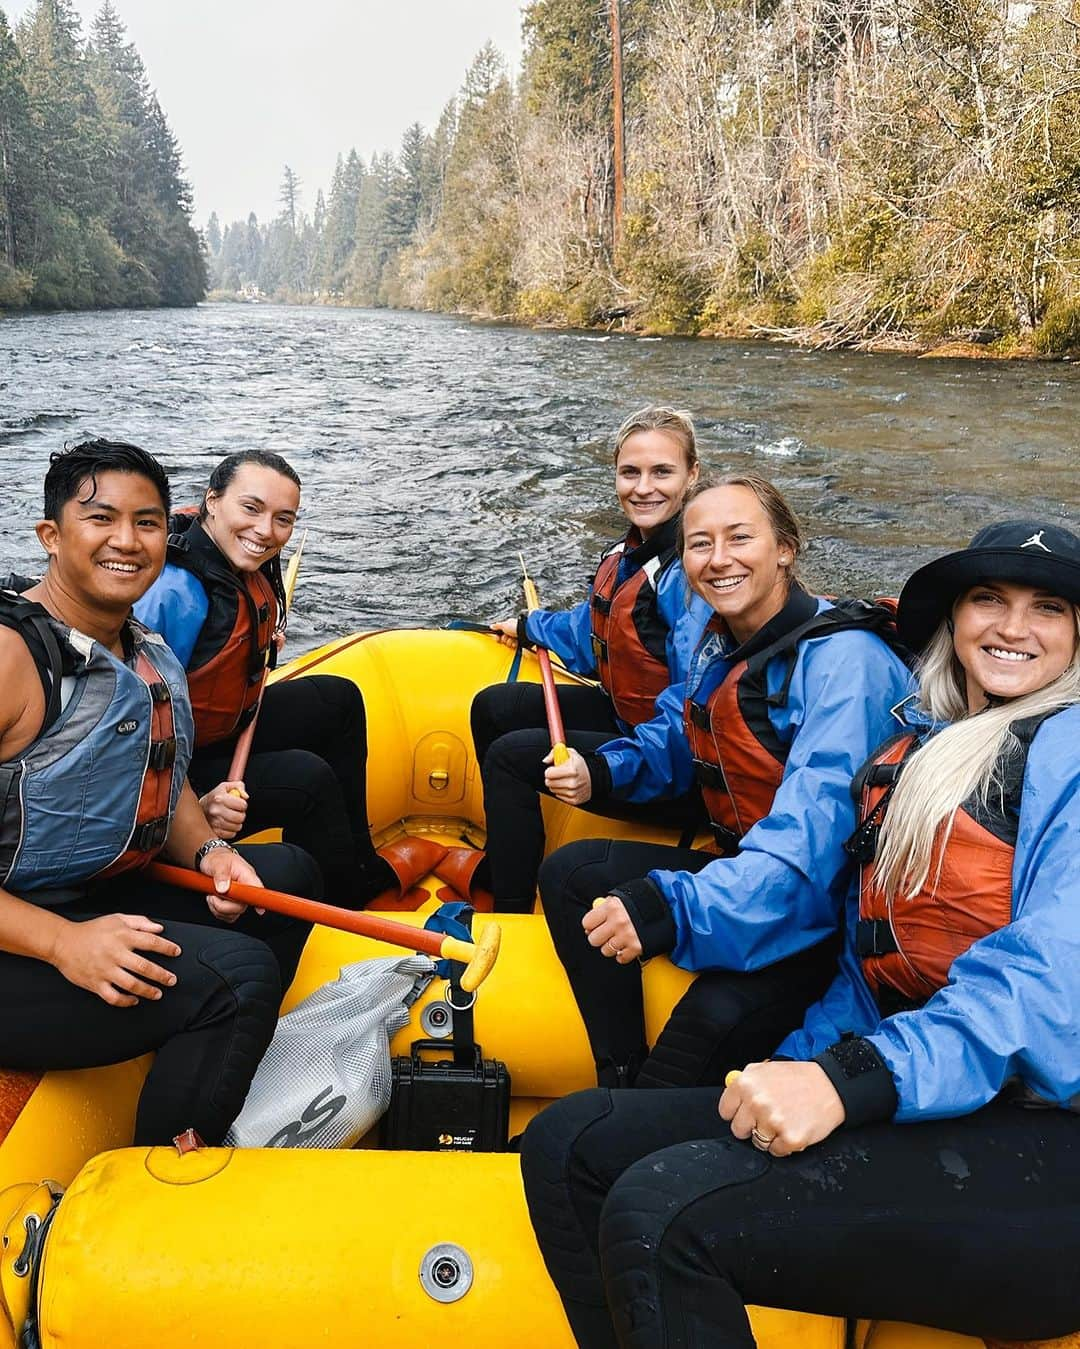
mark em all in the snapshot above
pixel 251 85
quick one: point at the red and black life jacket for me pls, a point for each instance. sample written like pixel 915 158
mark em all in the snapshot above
pixel 629 635
pixel 235 644
pixel 738 755
pixel 908 946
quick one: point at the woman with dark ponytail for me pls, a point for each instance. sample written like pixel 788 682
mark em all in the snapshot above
pixel 220 604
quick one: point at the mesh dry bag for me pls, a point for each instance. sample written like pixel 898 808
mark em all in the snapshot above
pixel 325 1079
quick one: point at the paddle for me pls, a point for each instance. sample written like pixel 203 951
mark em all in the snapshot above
pixel 242 752
pixel 559 752
pixel 478 957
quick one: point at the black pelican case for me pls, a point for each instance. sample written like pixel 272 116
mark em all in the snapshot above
pixel 459 1103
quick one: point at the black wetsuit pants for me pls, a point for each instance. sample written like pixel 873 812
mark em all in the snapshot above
pixel 658 1226
pixel 307 775
pixel 724 1020
pixel 209 1030
pixel 511 739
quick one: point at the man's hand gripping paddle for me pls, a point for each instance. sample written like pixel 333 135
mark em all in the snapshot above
pixel 477 957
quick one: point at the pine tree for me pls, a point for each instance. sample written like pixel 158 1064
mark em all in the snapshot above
pixel 14 144
pixel 290 196
pixel 214 238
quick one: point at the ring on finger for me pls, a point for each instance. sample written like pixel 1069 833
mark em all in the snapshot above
pixel 760 1141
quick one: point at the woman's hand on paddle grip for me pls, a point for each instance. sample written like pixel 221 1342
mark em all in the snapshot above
pixel 569 781
pixel 607 926
pixel 792 1104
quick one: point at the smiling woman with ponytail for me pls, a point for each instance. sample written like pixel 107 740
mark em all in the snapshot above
pixel 220 604
pixel 877 1164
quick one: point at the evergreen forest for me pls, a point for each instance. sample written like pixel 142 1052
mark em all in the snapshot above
pixel 94 208
pixel 841 172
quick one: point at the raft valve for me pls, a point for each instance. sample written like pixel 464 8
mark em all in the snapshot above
pixel 446 1272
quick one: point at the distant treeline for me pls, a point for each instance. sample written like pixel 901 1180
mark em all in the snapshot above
pixel 94 208
pixel 839 170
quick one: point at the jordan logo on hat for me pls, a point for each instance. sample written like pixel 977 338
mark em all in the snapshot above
pixel 1036 541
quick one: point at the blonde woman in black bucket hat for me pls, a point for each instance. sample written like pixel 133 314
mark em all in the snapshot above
pixel 878 1164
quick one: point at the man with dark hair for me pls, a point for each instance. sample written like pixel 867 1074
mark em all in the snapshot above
pixel 98 963
pixel 72 469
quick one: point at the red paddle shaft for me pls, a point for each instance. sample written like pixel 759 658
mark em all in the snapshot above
pixel 311 910
pixel 551 700
pixel 479 957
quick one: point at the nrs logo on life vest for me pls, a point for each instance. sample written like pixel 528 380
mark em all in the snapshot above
pixel 126 727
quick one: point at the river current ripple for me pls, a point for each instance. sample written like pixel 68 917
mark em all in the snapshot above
pixel 432 450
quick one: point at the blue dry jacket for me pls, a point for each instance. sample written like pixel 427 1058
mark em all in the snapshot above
pixel 176 605
pixel 568 632
pixel 784 889
pixel 1011 1007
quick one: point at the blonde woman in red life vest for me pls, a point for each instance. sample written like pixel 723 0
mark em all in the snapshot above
pixel 220 605
pixel 634 634
pixel 912 1153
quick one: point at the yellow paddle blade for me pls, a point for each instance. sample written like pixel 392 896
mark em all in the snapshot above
pixel 532 599
pixel 292 571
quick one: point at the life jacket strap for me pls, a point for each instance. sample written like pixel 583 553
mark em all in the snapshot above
pixel 599 650
pixel 601 605
pixel 890 1000
pixel 874 937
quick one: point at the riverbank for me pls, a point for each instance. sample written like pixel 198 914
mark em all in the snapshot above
pixel 984 346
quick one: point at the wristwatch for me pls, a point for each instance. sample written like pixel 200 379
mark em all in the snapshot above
pixel 209 846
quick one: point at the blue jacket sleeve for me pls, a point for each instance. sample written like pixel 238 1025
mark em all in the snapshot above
pixel 176 606
pixel 654 761
pixel 567 633
pixel 685 614
pixel 1011 1007
pixel 784 889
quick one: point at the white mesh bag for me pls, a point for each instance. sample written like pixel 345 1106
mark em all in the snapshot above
pixel 325 1079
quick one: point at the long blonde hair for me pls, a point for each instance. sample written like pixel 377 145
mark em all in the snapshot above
pixel 968 758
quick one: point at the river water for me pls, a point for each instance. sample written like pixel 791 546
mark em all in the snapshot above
pixel 433 450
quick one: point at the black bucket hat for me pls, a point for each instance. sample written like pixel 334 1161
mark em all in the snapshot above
pixel 1027 552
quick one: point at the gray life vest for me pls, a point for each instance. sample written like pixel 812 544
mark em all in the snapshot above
pixel 97 789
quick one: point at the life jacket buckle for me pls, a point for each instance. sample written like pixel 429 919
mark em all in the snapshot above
pixel 150 836
pixel 711 775
pixel 163 753
pixel 699 715
pixel 727 840
pixel 159 692
pixel 601 605
pixel 599 648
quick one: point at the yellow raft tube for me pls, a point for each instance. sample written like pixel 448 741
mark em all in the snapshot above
pixel 275 1249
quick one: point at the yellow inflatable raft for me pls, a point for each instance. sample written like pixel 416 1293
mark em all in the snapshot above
pixel 269 1250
